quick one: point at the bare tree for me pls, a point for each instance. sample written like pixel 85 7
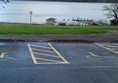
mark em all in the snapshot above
pixel 4 1
pixel 112 10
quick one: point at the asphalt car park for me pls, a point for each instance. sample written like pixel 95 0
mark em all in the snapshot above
pixel 42 62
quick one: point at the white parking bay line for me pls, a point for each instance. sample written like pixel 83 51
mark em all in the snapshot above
pixel 116 44
pixel 92 54
pixel 111 46
pixel 100 45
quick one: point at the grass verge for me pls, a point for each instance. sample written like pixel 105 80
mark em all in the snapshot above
pixel 7 28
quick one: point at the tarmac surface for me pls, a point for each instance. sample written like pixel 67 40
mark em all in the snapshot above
pixel 45 62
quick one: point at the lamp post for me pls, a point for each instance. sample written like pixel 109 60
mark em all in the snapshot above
pixel 31 12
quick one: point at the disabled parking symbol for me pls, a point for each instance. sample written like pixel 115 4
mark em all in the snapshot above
pixel 4 56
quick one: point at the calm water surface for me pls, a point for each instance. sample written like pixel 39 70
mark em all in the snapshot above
pixel 18 11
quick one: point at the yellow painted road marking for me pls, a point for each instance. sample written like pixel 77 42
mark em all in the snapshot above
pixel 44 44
pixel 35 59
pixel 107 48
pixel 59 54
pixel 43 50
pixel 50 60
pixel 41 46
pixel 41 43
pixel 52 63
pixel 92 54
pixel 46 54
pixel 32 55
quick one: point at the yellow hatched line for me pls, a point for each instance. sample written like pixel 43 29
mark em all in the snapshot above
pixel 41 46
pixel 49 60
pixel 32 54
pixel 107 48
pixel 41 43
pixel 44 44
pixel 52 62
pixel 46 54
pixel 59 54
pixel 43 50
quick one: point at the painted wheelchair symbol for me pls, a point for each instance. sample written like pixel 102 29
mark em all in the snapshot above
pixel 4 56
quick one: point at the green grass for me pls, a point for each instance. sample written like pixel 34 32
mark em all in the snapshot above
pixel 7 28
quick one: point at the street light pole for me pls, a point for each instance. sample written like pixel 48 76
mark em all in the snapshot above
pixel 31 12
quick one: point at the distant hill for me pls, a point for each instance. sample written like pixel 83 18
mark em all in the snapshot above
pixel 106 1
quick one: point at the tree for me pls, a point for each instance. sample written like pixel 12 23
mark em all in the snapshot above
pixel 112 10
pixel 4 1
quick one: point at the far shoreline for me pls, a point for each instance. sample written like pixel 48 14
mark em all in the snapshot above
pixel 63 1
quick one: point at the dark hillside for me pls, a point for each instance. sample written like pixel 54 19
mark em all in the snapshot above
pixel 106 1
